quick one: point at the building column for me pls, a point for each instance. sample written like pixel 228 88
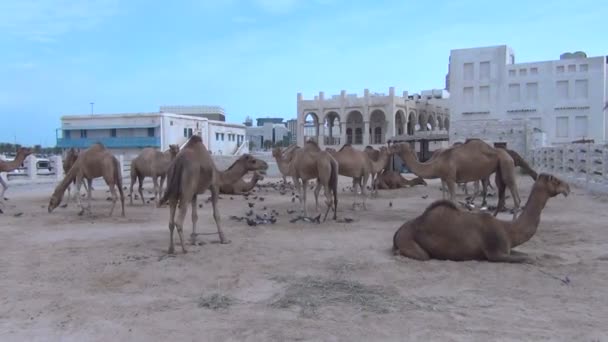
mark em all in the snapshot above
pixel 366 135
pixel 342 133
pixel 58 164
pixel 300 134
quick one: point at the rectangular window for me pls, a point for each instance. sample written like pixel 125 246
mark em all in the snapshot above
pixel 189 132
pixel 171 123
pixel 559 69
pixel 484 70
pixel 523 72
pixel 581 89
pixel 583 68
pixel 533 71
pixel 113 132
pixel 514 95
pixel 580 126
pixel 83 133
pixel 484 94
pixel 562 89
pixel 467 94
pixel 467 71
pixel 535 123
pixel 512 73
pixel 217 137
pixel 572 68
pixel 67 134
pixel 561 126
pixel 532 92
pixel 185 132
pixel 150 131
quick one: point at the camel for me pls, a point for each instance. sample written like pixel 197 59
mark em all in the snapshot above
pixel 241 186
pixel 474 160
pixel 151 163
pixel 68 161
pixel 394 180
pixel 94 162
pixel 190 174
pixel 379 160
pixel 445 232
pixel 8 166
pixel 356 164
pixel 309 163
pixel 281 163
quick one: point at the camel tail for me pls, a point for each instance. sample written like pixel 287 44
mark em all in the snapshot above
pixel 333 183
pixel 118 177
pixel 174 179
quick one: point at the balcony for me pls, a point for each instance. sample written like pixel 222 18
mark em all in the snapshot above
pixel 109 142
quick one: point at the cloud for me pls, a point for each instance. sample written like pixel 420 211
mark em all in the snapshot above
pixel 46 20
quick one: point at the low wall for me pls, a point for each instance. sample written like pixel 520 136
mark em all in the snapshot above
pixel 585 165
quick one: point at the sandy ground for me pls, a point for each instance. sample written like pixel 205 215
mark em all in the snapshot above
pixel 71 278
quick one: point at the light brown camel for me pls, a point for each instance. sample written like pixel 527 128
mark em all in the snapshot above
pixel 8 166
pixel 94 162
pixel 280 155
pixel 151 163
pixel 240 187
pixel 68 161
pixel 474 160
pixel 309 163
pixel 445 232
pixel 394 180
pixel 193 172
pixel 379 160
pixel 355 164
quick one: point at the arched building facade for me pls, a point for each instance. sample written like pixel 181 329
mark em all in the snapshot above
pixel 370 119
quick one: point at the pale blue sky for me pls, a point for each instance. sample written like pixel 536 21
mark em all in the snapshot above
pixel 253 56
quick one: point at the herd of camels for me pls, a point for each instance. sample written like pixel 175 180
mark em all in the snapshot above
pixel 443 231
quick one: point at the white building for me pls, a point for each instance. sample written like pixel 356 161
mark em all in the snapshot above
pixel 370 119
pixel 128 133
pixel 501 101
pixel 272 132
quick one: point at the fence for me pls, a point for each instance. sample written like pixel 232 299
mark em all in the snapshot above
pixel 585 165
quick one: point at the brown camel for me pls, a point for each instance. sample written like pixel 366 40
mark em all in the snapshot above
pixel 241 186
pixel 94 162
pixel 394 180
pixel 68 161
pixel 279 156
pixel 445 232
pixel 379 160
pixel 8 166
pixel 309 163
pixel 190 174
pixel 474 160
pixel 151 163
pixel 355 164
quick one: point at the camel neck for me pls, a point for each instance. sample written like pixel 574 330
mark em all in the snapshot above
pixel 14 164
pixel 67 180
pixel 423 170
pixel 232 174
pixel 526 225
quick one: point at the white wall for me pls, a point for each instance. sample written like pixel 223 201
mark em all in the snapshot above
pixel 225 146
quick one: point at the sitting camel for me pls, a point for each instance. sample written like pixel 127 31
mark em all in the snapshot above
pixel 355 164
pixel 241 187
pixel 94 162
pixel 474 160
pixel 389 179
pixel 8 166
pixel 68 161
pixel 151 163
pixel 193 172
pixel 445 232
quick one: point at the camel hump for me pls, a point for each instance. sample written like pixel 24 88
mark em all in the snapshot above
pixel 441 203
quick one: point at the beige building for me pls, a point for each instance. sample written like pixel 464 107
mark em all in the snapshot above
pixel 370 119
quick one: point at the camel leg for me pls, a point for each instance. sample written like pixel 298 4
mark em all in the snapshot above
pixel 216 214
pixel 484 191
pixel 4 187
pixel 172 207
pixel 500 187
pixel 194 220
pixel 412 250
pixel 141 188
pixel 317 191
pixel 133 178
pixel 89 194
pixel 114 197
pixel 356 183
pixel 505 257
pixel 328 199
pixel 183 209
pixel 160 188
pixel 363 185
pixel 303 197
pixel 451 189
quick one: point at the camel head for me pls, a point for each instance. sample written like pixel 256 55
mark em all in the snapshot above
pixel 173 150
pixel 400 148
pixel 552 185
pixel 330 150
pixel 384 150
pixel 258 176
pixel 55 200
pixel 24 151
pixel 252 163
pixel 276 152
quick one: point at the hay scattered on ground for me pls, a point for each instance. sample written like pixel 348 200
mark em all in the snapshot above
pixel 215 302
pixel 312 293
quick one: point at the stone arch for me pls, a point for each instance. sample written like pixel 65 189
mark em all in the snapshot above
pixel 411 123
pixel 354 127
pixel 311 127
pixel 446 123
pixel 377 125
pixel 433 121
pixel 423 119
pixel 331 128
pixel 400 122
pixel 440 121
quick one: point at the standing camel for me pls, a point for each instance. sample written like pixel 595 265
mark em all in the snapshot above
pixel 445 232
pixel 94 162
pixel 280 155
pixel 379 160
pixel 8 166
pixel 474 160
pixel 70 159
pixel 241 187
pixel 193 172
pixel 151 163
pixel 356 164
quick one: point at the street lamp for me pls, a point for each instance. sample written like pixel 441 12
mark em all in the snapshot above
pixel 92 103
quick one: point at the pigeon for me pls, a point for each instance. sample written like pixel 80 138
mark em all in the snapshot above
pixel 251 222
pixel 64 205
pixel 425 196
pixel 290 211
pixel 249 213
pixel 231 198
pixel 18 214
pixel 236 218
pixel 261 199
pixel 251 204
pixel 390 204
pixel 200 205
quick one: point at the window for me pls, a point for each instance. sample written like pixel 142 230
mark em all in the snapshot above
pixel 580 126
pixel 222 136
pixel 562 89
pixel 189 132
pixel 150 131
pixel 185 132
pixel 581 89
pixel 484 94
pixel 217 137
pixel 533 71
pixel 535 123
pixel 467 94
pixel 512 59
pixel 171 123
pixel 83 133
pixel 572 68
pixel 532 92
pixel 583 68
pixel 67 134
pixel 514 93
pixel 113 132
pixel 523 72
pixel 512 73
pixel 561 127
pixel 484 70
pixel 560 69
pixel 467 71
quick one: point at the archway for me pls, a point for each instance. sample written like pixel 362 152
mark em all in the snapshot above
pixel 446 123
pixel 411 123
pixel 354 123
pixel 433 121
pixel 332 130
pixel 399 123
pixel 422 121
pixel 311 127
pixel 440 122
pixel 377 121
